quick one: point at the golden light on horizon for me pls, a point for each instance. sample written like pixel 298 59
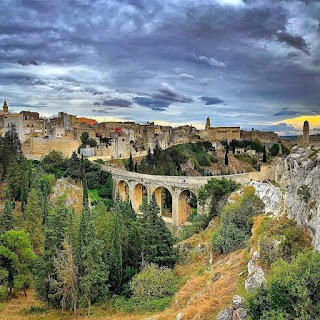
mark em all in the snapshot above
pixel 297 122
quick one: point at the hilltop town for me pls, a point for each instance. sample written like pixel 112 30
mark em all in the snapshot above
pixel 110 140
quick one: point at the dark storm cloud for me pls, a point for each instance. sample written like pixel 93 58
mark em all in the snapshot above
pixel 151 103
pixel 116 102
pixel 293 41
pixel 211 100
pixel 169 93
pixel 250 53
pixel 286 113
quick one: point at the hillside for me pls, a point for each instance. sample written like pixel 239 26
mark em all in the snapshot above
pixel 193 159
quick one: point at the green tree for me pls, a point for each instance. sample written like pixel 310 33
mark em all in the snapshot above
pixel 274 150
pixel 131 165
pixel 93 272
pixel 74 169
pixel 33 220
pixel 84 137
pixel 58 228
pixel 226 157
pixel 16 258
pixel 11 150
pixel 264 157
pixel 7 219
pixel 157 240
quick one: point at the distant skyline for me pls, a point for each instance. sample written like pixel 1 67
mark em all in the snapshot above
pixel 248 63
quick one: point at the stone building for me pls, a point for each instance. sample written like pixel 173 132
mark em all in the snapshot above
pixel 221 133
pixel 263 136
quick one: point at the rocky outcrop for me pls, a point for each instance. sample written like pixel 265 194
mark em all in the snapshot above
pixel 302 198
pixel 270 195
pixel 236 312
pixel 256 278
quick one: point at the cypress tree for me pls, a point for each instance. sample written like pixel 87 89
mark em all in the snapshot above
pixel 264 157
pixel 56 230
pixel 92 271
pixel 33 220
pixel 226 158
pixel 131 165
pixel 157 240
pixel 6 218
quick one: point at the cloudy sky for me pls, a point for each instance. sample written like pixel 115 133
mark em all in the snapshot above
pixel 251 63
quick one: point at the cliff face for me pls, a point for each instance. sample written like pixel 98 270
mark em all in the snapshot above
pixel 302 198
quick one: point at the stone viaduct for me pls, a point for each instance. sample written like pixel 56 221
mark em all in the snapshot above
pixel 134 186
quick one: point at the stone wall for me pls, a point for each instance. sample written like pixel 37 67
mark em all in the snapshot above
pixel 40 147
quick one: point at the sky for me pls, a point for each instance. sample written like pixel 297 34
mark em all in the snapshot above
pixel 248 63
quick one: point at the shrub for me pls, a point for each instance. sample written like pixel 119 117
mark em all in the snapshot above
pixel 304 193
pixel 236 222
pixel 282 238
pixel 292 290
pixel 153 283
pixel 198 223
pixel 34 310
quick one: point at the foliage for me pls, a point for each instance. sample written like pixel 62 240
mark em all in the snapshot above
pixel 16 258
pixel 198 223
pixel 246 158
pixel 274 150
pixel 282 238
pixel 7 220
pixel 153 283
pixel 33 220
pixel 169 161
pixel 292 290
pixel 157 240
pixel 264 157
pixel 92 271
pixel 10 149
pixel 213 191
pixel 304 193
pixel 57 229
pixel 236 222
pixel 55 163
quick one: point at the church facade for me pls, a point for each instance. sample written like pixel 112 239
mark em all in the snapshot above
pixel 216 134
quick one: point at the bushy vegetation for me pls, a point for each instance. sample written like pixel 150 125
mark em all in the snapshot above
pixel 282 238
pixel 170 161
pixel 213 192
pixel 292 290
pixel 236 222
pixel 153 283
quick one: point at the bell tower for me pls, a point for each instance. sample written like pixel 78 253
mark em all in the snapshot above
pixel 306 133
pixel 208 124
pixel 5 107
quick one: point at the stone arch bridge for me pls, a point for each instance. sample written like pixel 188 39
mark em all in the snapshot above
pixel 134 186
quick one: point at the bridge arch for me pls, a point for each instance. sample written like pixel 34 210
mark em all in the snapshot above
pixel 140 191
pixel 123 189
pixel 164 199
pixel 187 204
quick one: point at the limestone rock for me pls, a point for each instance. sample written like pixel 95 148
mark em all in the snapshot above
pixel 303 170
pixel 179 316
pixel 216 277
pixel 237 302
pixel 256 277
pixel 270 195
pixel 255 255
pixel 226 314
pixel 242 314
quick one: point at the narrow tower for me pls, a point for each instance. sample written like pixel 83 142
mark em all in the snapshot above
pixel 5 107
pixel 306 133
pixel 208 124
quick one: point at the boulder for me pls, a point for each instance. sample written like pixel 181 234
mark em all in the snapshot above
pixel 237 302
pixel 242 314
pixel 226 314
pixel 216 277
